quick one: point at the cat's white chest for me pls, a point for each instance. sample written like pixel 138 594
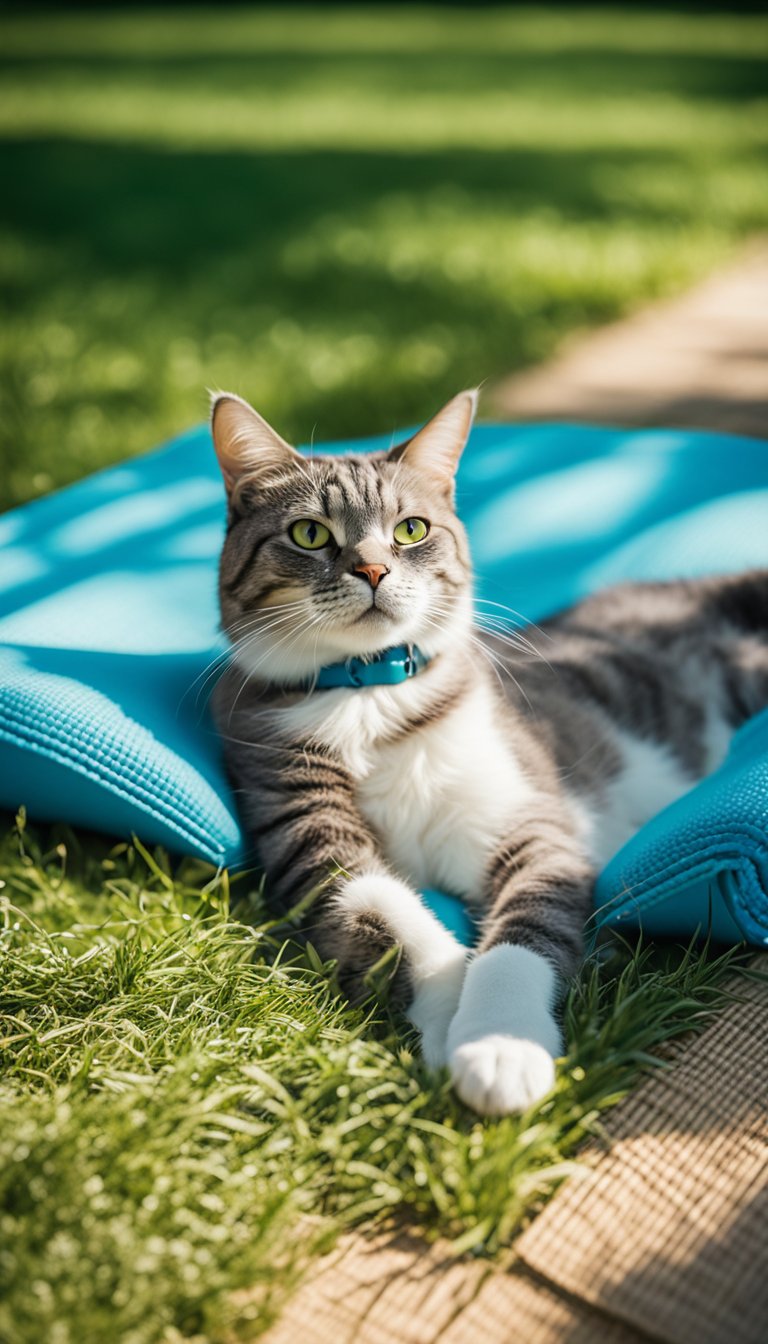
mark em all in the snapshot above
pixel 441 796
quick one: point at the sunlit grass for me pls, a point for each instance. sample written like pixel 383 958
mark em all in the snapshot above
pixel 346 215
pixel 188 1109
pixel 334 107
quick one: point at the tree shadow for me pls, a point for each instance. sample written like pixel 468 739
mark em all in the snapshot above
pixel 607 66
pixel 263 263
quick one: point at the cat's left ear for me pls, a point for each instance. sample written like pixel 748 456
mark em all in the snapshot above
pixel 435 450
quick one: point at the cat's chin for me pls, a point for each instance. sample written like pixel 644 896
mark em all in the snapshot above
pixel 370 632
pixel 370 613
pixel 375 629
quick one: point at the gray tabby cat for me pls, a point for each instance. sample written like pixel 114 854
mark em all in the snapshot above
pixel 506 779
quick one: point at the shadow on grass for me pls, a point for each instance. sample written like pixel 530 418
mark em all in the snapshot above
pixel 606 69
pixel 135 248
pixel 165 212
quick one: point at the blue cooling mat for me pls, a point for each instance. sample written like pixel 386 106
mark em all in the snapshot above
pixel 108 630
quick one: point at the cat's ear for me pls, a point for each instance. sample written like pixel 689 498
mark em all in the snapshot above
pixel 435 450
pixel 249 450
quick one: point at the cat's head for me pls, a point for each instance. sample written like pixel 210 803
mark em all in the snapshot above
pixel 331 557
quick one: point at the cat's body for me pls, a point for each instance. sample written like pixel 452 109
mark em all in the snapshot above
pixel 505 773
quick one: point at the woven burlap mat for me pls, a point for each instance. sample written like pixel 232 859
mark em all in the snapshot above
pixel 669 1232
pixel 664 1238
pixel 394 1289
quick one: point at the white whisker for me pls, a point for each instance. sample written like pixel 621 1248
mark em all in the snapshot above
pixel 518 616
pixel 286 643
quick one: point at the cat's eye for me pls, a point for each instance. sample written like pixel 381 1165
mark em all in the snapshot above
pixel 410 531
pixel 309 534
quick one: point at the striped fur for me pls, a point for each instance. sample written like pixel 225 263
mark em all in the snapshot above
pixel 507 772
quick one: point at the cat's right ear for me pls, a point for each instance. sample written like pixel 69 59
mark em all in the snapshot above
pixel 249 450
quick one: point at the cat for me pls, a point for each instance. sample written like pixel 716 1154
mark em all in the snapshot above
pixel 465 760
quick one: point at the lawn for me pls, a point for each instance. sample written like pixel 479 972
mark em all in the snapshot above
pixel 345 216
pixel 188 1111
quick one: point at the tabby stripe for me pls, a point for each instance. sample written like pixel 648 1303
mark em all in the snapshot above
pixel 331 485
pixel 352 836
pixel 540 916
pixel 510 857
pixel 740 707
pixel 523 925
pixel 296 885
pixel 644 682
pixel 297 859
pixel 321 783
pixel 285 819
pixel 313 770
pixel 435 711
pixel 540 937
pixel 540 890
pixel 229 585
pixel 593 686
pixel 260 594
pixel 743 602
pixel 321 760
pixel 371 495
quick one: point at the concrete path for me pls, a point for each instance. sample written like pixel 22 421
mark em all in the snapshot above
pixel 700 361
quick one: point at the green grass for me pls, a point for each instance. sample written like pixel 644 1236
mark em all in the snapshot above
pixel 346 215
pixel 188 1112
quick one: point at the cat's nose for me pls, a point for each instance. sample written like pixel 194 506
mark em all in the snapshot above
pixel 373 573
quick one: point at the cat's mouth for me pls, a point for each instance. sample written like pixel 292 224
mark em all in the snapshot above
pixel 373 610
pixel 380 610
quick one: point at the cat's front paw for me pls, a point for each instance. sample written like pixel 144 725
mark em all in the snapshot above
pixel 434 1006
pixel 501 1075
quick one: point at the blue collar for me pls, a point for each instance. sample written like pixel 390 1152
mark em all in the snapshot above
pixel 387 668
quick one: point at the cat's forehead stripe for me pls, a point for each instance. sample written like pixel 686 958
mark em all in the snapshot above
pixel 354 487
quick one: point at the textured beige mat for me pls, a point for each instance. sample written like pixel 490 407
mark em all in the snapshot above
pixel 665 1238
pixel 670 1231
pixel 394 1289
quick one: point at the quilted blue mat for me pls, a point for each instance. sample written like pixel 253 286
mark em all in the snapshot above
pixel 108 640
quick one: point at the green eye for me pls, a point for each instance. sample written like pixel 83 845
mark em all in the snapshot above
pixel 411 530
pixel 308 534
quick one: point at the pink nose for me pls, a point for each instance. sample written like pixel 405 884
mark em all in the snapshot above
pixel 373 573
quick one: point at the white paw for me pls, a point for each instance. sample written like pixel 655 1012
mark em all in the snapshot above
pixel 434 1006
pixel 501 1075
pixel 437 962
